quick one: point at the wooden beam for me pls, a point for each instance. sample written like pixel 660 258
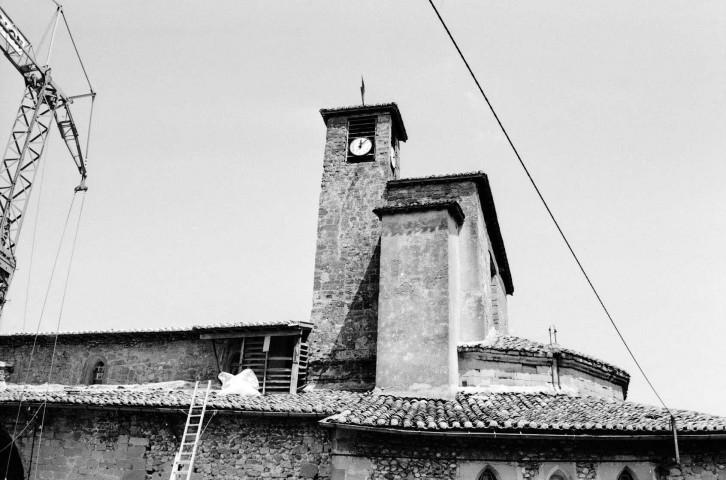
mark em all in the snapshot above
pixel 295 365
pixel 258 333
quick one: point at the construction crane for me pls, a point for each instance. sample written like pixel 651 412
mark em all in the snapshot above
pixel 43 103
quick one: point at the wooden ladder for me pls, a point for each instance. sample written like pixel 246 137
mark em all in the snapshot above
pixel 184 459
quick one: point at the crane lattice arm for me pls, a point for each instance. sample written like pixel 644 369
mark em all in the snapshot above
pixel 43 102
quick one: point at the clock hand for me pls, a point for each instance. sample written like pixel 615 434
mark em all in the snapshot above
pixel 360 144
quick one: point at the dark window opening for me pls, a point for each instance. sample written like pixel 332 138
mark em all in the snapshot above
pixel 280 362
pixel 487 474
pixel 361 145
pixel 625 475
pixel 10 458
pixel 99 369
pixel 233 364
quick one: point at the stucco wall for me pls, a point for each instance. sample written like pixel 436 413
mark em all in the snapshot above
pixel 128 359
pixel 94 444
pixel 415 302
pixel 475 295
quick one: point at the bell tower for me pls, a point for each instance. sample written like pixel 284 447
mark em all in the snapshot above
pixel 361 156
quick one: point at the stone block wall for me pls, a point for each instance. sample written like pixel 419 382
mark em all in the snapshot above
pixel 138 358
pixel 345 287
pixel 369 455
pixel 481 370
pixel 126 445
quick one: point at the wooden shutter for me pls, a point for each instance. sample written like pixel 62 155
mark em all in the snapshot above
pixel 276 367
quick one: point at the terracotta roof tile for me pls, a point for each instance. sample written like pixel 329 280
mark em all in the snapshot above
pixel 510 343
pixel 535 412
pixel 319 402
pixel 196 328
pixel 500 412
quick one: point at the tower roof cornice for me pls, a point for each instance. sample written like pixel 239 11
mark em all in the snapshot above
pixel 390 108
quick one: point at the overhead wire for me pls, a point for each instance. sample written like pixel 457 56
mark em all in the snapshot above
pixel 53 21
pixel 68 28
pixel 549 211
pixel 37 330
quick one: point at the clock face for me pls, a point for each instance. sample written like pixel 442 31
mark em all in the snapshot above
pixel 360 146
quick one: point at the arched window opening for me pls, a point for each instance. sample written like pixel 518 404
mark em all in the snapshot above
pixel 98 372
pixel 10 458
pixel 558 475
pixel 626 474
pixel 488 474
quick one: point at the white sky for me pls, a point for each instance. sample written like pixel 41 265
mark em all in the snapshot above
pixel 207 152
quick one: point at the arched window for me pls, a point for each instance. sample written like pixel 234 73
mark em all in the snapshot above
pixel 488 474
pixel 626 474
pixel 558 475
pixel 10 458
pixel 97 374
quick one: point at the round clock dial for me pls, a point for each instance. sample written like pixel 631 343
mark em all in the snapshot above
pixel 360 146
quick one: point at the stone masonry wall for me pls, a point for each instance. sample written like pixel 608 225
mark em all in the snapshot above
pixel 124 445
pixel 128 359
pixel 481 370
pixel 366 455
pixel 345 288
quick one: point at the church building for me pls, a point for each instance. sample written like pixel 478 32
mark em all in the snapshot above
pixel 405 368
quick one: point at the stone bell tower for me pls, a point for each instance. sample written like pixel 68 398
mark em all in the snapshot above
pixel 361 156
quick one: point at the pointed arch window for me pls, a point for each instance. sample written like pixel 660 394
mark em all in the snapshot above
pixel 558 475
pixel 626 474
pixel 488 474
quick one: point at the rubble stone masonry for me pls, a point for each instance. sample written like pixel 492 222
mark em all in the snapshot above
pixel 137 358
pixel 124 445
pixel 345 288
pixel 364 456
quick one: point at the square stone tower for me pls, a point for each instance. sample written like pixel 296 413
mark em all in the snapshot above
pixel 361 156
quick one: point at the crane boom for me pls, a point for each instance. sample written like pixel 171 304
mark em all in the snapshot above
pixel 43 102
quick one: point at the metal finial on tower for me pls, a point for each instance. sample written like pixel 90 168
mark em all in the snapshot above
pixel 362 91
pixel 553 333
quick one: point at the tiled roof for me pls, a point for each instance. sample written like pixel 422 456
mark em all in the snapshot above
pixel 520 412
pixel 318 402
pixel 254 324
pixel 510 343
pixel 196 328
pixel 500 412
pixel 445 176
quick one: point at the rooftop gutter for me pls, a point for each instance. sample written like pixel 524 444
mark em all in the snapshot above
pixel 526 435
